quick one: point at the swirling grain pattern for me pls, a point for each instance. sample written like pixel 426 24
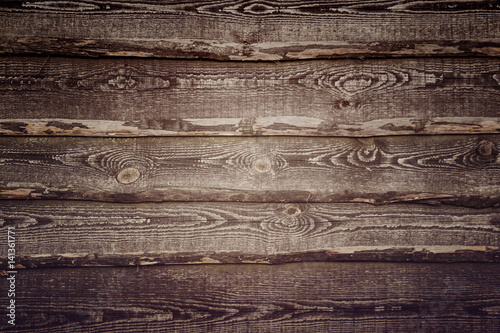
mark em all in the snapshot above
pixel 270 169
pixel 127 97
pixel 55 233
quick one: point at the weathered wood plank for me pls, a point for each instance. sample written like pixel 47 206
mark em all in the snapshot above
pixel 132 97
pixel 251 30
pixel 453 169
pixel 319 297
pixel 63 233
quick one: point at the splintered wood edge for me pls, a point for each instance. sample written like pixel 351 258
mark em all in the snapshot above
pixel 262 126
pixel 234 51
pixel 439 254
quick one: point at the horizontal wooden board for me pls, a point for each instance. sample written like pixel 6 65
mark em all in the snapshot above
pixel 251 30
pixel 454 169
pixel 133 97
pixel 318 297
pixel 66 233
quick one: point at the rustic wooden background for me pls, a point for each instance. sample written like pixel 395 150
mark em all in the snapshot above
pixel 251 166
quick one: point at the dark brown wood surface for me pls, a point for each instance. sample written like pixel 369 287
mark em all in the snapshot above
pixel 67 233
pixel 453 169
pixel 144 97
pixel 251 30
pixel 306 297
pixel 317 177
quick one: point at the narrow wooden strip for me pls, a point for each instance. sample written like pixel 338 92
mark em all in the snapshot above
pixel 56 233
pixel 319 297
pixel 131 97
pixel 454 169
pixel 189 48
pixel 422 254
pixel 251 30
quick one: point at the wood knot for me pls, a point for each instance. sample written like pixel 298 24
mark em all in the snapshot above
pixel 128 175
pixel 259 9
pixel 485 148
pixel 262 165
pixel 345 104
pixel 292 211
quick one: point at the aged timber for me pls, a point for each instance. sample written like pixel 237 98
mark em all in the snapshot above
pixel 144 97
pixel 251 30
pixel 324 297
pixel 76 233
pixel 454 169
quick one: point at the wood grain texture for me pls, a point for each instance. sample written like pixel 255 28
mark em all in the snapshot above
pixel 251 30
pixel 307 297
pixel 58 233
pixel 132 97
pixel 454 169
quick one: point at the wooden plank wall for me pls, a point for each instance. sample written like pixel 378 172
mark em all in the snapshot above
pixel 250 166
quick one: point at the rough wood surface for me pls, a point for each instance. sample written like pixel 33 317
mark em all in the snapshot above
pixel 63 233
pixel 251 30
pixel 144 97
pixel 454 169
pixel 307 297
